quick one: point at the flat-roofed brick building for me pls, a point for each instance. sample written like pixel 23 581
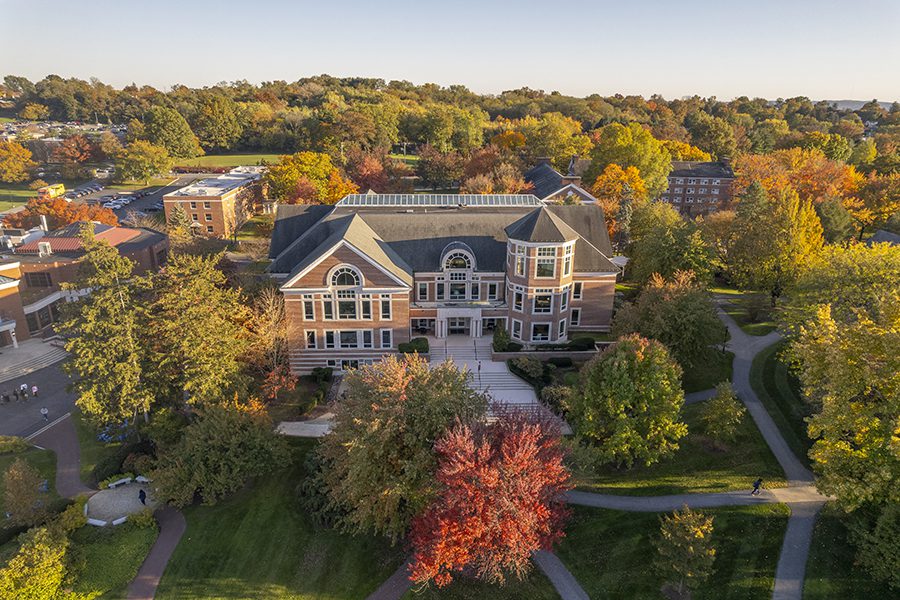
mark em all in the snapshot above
pixel 699 188
pixel 212 205
pixel 375 270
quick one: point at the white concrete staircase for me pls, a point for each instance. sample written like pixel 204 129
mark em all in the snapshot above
pixel 53 355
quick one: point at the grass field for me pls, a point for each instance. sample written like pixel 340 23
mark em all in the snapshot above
pixel 535 587
pixel 709 372
pixel 14 194
pixel 611 552
pixel 42 460
pixel 410 159
pixel 779 391
pixel 257 228
pixel 830 572
pixel 737 309
pixel 227 160
pixel 697 466
pixel 259 544
pixel 106 559
pixel 92 449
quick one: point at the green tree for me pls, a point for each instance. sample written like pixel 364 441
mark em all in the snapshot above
pixel 141 160
pixel 15 162
pixel 628 402
pixel 878 544
pixel 712 134
pixel 167 128
pixel 378 462
pixel 775 238
pixel 832 145
pixel 723 413
pixel 22 495
pixel 631 146
pixel 37 569
pixel 554 136
pixel 216 124
pixel 686 551
pixel 179 225
pixel 838 225
pixel 663 242
pixel 439 169
pixel 677 312
pixel 33 111
pixel 227 444
pixel 199 330
pixel 106 336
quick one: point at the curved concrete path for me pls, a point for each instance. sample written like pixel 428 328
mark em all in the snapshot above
pixel 60 437
pixel 171 527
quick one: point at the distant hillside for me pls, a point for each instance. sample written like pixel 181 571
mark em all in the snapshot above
pixel 856 104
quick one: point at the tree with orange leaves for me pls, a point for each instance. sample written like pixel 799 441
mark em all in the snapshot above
pixel 500 500
pixel 614 186
pixel 72 153
pixel 59 213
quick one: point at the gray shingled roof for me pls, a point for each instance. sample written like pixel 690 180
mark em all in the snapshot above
pixel 545 179
pixel 415 240
pixel 883 236
pixel 541 226
pixel 293 220
pixel 690 168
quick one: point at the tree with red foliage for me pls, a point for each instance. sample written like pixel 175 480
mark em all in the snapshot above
pixel 59 213
pixel 500 500
pixel 72 153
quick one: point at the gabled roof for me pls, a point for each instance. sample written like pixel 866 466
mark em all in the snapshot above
pixel 882 236
pixel 693 168
pixel 544 179
pixel 541 225
pixel 67 240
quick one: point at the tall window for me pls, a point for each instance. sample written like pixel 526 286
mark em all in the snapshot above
pixel 520 266
pixel 423 291
pixel 545 265
pixel 328 310
pixel 385 310
pixel 329 339
pixel 517 329
pixel 439 287
pixel 576 290
pixel 576 316
pixel 492 291
pixel 366 306
pixel 311 340
pixel 308 311
pixel 564 299
pixel 567 260
pixel 475 292
pixel 518 298
pixel 386 338
pixel 561 333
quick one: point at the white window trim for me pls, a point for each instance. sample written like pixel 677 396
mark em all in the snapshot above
pixel 549 331
pixel 575 317
pixel 534 304
pixel 390 309
pixel 496 287
pixel 513 329
pixel 564 299
pixel 522 305
pixel 422 286
pixel 315 335
pixel 313 304
pixel 577 290
pixel 561 329
pixel 544 258
pixel 390 334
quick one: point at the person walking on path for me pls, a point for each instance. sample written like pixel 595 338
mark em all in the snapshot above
pixel 45 413
pixel 756 486
pixel 16 394
pixel 25 394
pixel 23 388
pixel 142 496
pixel 5 398
pixel 34 391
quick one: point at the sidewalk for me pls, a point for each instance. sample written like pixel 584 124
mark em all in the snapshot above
pixel 30 356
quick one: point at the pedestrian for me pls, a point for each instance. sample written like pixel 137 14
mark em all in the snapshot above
pixel 16 394
pixel 142 496
pixel 45 413
pixel 34 391
pixel 756 486
pixel 23 387
pixel 5 397
pixel 25 394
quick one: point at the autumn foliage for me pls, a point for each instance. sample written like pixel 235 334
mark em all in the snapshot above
pixel 500 499
pixel 59 213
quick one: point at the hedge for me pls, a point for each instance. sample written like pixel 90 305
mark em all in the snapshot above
pixel 418 344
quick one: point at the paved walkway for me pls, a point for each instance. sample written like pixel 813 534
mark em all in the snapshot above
pixel 563 580
pixel 394 586
pixel 699 396
pixel 312 428
pixel 111 504
pixel 171 527
pixel 61 437
pixel 23 418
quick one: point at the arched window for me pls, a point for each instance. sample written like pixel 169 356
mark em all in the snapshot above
pixel 345 277
pixel 457 260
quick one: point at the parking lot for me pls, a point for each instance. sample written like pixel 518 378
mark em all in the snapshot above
pixel 147 200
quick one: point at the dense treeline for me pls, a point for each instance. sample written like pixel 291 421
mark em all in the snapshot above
pixel 335 115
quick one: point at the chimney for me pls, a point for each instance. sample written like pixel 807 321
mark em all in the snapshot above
pixel 44 225
pixel 570 176
pixel 44 249
pixel 543 160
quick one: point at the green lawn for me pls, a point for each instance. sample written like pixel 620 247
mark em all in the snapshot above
pixel 535 587
pixel 611 552
pixel 779 391
pixel 131 186
pixel 260 544
pixel 257 228
pixel 830 572
pixel 697 466
pixel 410 159
pixel 14 194
pixel 227 160
pixel 106 559
pixel 737 309
pixel 92 449
pixel 42 460
pixel 709 372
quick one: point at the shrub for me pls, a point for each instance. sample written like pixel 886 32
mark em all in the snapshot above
pixel 105 483
pixel 419 345
pixel 10 444
pixel 23 500
pixel 581 343
pixel 501 339
pixel 37 184
pixel 560 361
pixel 514 347
pixel 322 374
pixel 531 367
pixel 137 463
pixel 556 396
pixel 143 518
pixel 72 517
pixel 723 413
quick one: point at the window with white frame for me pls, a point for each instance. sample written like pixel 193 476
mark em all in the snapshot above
pixel 564 299
pixel 345 277
pixel 715 191
pixel 366 306
pixel 520 266
pixel 704 182
pixel 690 190
pixel 540 332
pixel 348 339
pixel 328 310
pixel 546 251
pixel 576 290
pixel 475 291
pixel 458 291
pixel 561 332
pixel 702 191
pixel 387 338
pixel 367 338
pixel 543 302
pixel 692 181
pixel 346 309
pixel 423 291
pixel 567 259
pixel 439 291
pixel 385 310
pixel 518 299
pixel 492 291
pixel 311 339
pixel 309 313
pixel 576 316
pixel 545 268
pixel 457 260
pixel 517 329
pixel 679 180
pixel 717 181
pixel 329 339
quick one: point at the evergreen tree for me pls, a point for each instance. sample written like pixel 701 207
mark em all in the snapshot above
pixel 179 225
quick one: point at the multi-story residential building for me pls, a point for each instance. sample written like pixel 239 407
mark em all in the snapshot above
pixel 375 270
pixel 32 274
pixel 553 187
pixel 214 205
pixel 699 188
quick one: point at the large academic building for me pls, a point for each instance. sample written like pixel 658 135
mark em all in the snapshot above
pixel 376 270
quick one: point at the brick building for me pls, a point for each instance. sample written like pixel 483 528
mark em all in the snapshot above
pixel 213 205
pixel 375 270
pixel 32 274
pixel 699 188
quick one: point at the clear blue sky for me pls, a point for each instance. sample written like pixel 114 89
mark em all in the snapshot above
pixel 816 48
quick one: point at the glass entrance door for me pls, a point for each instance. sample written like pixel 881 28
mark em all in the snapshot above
pixel 458 325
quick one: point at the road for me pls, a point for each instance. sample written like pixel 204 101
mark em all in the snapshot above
pixel 142 204
pixel 24 418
